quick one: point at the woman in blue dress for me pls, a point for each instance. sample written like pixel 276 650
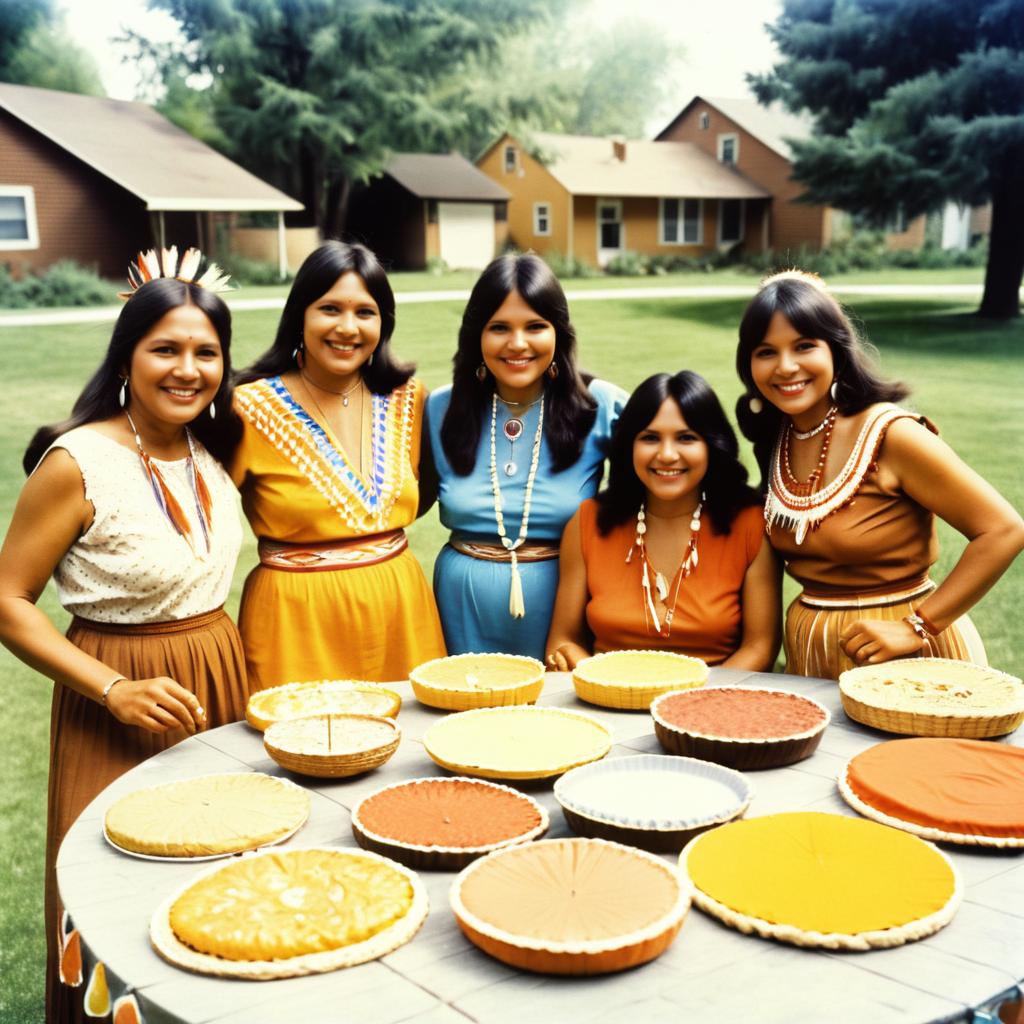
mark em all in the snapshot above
pixel 518 441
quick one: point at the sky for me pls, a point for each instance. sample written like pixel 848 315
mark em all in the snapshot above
pixel 719 40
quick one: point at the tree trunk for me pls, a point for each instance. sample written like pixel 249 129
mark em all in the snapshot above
pixel 336 215
pixel 1005 269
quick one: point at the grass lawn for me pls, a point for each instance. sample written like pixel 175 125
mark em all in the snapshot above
pixel 967 376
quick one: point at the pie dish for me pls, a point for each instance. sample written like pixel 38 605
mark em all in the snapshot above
pixel 280 914
pixel 466 681
pixel 742 727
pixel 951 790
pixel 570 906
pixel 933 697
pixel 332 746
pixel 517 742
pixel 331 696
pixel 211 816
pixel 632 679
pixel 826 880
pixel 652 801
pixel 442 824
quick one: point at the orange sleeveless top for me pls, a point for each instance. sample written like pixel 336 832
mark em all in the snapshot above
pixel 708 620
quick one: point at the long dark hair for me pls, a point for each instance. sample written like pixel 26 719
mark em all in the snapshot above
pixel 814 313
pixel 99 399
pixel 571 411
pixel 725 482
pixel 320 269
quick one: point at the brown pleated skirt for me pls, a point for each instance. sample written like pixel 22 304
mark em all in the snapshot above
pixel 812 637
pixel 89 748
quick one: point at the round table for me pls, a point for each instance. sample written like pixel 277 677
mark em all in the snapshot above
pixel 711 972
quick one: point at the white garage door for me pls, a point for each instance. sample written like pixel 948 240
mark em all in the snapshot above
pixel 467 234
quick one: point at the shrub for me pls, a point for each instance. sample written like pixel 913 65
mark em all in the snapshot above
pixel 563 266
pixel 436 266
pixel 11 294
pixel 64 283
pixel 628 264
pixel 245 271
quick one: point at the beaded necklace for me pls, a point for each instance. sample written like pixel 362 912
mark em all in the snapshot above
pixel 516 605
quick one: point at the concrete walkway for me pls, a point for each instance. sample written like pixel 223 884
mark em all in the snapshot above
pixel 101 314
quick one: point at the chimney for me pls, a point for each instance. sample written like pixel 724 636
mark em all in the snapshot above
pixel 619 149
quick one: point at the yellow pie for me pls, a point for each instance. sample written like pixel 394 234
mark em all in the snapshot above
pixel 331 696
pixel 466 681
pixel 209 816
pixel 822 880
pixel 632 679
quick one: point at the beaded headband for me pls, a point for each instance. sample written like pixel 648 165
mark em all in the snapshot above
pixel 152 264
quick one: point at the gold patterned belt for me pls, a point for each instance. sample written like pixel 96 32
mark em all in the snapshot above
pixel 537 552
pixel 925 586
pixel 333 554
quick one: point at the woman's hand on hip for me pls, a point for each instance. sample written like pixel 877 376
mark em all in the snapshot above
pixel 871 641
pixel 157 705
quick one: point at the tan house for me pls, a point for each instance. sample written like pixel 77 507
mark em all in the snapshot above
pixel 593 198
pixel 95 179
pixel 755 140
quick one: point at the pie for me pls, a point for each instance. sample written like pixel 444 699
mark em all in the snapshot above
pixel 445 823
pixel 332 746
pixel 333 696
pixel 209 816
pixel 465 681
pixel 743 727
pixel 570 906
pixel 816 879
pixel 280 913
pixel 632 679
pixel 954 790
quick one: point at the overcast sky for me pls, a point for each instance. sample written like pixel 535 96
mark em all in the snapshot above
pixel 720 40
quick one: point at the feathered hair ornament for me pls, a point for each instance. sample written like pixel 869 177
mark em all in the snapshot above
pixel 152 264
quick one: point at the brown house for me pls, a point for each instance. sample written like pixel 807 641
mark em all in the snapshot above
pixel 94 180
pixel 593 198
pixel 431 206
pixel 755 140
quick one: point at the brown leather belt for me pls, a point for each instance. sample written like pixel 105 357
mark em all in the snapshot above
pixel 333 554
pixel 537 552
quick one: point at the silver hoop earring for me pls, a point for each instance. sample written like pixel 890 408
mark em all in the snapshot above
pixel 834 389
pixel 755 404
pixel 213 411
pixel 297 352
pixel 122 395
pixel 481 372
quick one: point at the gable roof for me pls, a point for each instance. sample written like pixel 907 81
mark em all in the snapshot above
pixel 140 150
pixel 443 176
pixel 771 125
pixel 587 165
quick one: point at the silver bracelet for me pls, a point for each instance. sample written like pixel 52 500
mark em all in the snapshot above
pixel 109 687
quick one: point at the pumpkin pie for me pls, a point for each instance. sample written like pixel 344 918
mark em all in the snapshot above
pixel 826 880
pixel 211 816
pixel 742 727
pixel 516 742
pixel 466 681
pixel 632 679
pixel 570 906
pixel 954 790
pixel 332 696
pixel 445 823
pixel 283 913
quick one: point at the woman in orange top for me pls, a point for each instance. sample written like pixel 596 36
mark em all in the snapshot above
pixel 671 555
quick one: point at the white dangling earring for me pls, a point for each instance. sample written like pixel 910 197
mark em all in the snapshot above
pixel 755 404
pixel 213 411
pixel 369 362
pixel 835 387
pixel 122 395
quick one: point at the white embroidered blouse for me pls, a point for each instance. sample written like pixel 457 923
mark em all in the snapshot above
pixel 131 566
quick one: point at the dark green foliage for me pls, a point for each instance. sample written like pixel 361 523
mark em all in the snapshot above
pixel 64 283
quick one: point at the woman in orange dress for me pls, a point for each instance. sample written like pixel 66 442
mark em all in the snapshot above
pixel 328 468
pixel 670 556
pixel 854 484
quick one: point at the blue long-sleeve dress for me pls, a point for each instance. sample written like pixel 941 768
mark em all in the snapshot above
pixel 472 594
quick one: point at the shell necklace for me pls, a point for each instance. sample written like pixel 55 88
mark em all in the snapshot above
pixel 516 605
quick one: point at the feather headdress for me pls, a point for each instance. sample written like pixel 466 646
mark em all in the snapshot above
pixel 151 264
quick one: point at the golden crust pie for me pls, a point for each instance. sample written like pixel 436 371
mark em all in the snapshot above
pixel 208 816
pixel 465 681
pixel 632 679
pixel 332 696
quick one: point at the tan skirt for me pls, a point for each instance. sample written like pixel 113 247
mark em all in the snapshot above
pixel 812 635
pixel 89 748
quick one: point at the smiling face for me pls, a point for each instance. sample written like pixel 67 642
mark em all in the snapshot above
pixel 340 332
pixel 794 373
pixel 670 460
pixel 176 368
pixel 517 346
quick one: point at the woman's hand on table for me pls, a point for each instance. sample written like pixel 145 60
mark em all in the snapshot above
pixel 565 658
pixel 157 705
pixel 871 641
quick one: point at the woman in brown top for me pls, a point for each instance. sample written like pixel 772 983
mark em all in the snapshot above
pixel 853 485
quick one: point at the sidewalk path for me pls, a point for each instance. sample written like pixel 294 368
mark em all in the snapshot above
pixel 99 314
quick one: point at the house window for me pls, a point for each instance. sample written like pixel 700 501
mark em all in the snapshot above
pixel 728 148
pixel 730 221
pixel 609 224
pixel 541 219
pixel 705 121
pixel 431 211
pixel 18 228
pixel 898 222
pixel 501 212
pixel 681 222
pixel 510 159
